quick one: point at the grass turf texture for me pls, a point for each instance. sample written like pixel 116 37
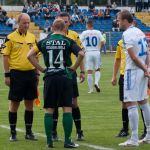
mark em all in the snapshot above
pixel 101 116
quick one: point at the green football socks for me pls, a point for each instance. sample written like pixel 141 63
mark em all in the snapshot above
pixel 48 122
pixel 67 124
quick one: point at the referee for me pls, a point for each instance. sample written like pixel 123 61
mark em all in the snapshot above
pixel 20 75
pixel 120 63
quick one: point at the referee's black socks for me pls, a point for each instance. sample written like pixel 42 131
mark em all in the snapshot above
pixel 125 119
pixel 77 118
pixel 55 120
pixel 12 121
pixel 28 117
pixel 143 121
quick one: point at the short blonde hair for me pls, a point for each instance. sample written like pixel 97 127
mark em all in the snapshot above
pixel 58 25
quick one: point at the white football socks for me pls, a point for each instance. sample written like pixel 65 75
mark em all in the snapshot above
pixel 90 82
pixel 97 77
pixel 134 121
pixel 146 113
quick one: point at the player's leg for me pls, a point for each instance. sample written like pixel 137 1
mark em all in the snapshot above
pixel 15 96
pixel 125 121
pixel 131 85
pixel 48 124
pixel 13 107
pixel 28 118
pixel 55 121
pixel 144 131
pixel 67 113
pixel 133 121
pixel 89 68
pixel 145 109
pixel 30 88
pixel 104 48
pixel 97 78
pixel 76 110
pixel 146 114
pixel 90 80
pixel 77 119
pixel 50 100
pixel 97 62
pixel 67 123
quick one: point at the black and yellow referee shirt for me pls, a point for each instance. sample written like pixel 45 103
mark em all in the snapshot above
pixel 17 46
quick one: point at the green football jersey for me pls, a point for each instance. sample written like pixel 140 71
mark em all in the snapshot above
pixel 56 50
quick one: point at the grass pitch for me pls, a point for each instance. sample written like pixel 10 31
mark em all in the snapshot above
pixel 101 117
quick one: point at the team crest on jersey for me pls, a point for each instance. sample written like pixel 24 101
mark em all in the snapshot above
pixel 17 45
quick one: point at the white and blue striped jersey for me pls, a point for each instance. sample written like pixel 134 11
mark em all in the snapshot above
pixel 134 38
pixel 92 39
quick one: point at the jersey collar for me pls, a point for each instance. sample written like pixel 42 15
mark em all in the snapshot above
pixel 132 26
pixel 21 34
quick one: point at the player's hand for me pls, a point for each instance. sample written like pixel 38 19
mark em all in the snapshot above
pixel 114 81
pixel 82 76
pixel 71 69
pixel 7 81
pixel 147 73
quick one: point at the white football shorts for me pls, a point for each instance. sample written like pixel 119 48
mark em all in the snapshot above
pixel 92 60
pixel 135 85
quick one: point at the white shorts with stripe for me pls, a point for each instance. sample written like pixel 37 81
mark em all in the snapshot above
pixel 135 85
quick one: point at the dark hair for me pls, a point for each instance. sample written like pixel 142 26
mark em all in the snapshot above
pixel 63 14
pixel 135 23
pixel 125 14
pixel 90 22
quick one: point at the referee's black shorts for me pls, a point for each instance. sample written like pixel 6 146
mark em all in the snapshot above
pixel 75 85
pixel 23 85
pixel 121 87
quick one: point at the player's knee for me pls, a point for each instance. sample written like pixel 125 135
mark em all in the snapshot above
pixel 90 71
pixel 13 106
pixel 75 103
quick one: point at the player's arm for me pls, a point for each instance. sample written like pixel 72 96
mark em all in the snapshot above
pixel 6 69
pixel 32 57
pixel 102 44
pixel 37 57
pixel 148 59
pixel 115 71
pixel 80 55
pixel 102 40
pixel 136 60
pixel 6 53
pixel 116 65
pixel 6 65
pixel 148 65
pixel 129 44
pixel 78 61
pixel 82 68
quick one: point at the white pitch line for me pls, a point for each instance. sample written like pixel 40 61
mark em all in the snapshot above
pixel 97 147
